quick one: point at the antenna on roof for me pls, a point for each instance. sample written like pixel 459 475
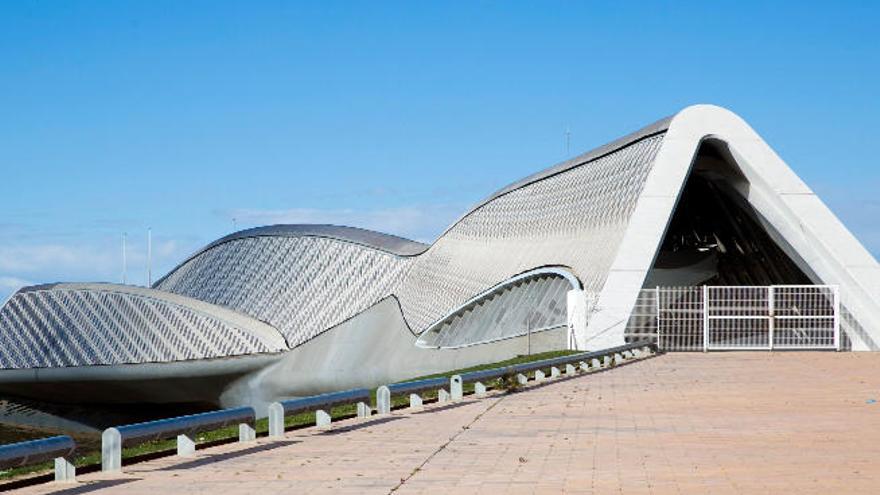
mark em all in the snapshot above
pixel 124 261
pixel 149 257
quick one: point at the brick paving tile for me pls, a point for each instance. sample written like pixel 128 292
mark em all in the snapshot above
pixel 680 423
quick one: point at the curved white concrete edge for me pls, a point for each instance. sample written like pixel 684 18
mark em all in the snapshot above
pixel 832 253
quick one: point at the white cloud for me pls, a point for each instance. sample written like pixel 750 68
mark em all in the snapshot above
pixel 422 223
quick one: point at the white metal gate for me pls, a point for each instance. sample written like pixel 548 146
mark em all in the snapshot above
pixel 741 317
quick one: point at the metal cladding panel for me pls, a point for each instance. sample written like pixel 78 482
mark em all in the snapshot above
pixel 535 303
pixel 575 218
pixel 58 327
pixel 300 285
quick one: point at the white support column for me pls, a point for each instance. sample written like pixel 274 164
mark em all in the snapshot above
pixel 577 317
pixel 836 290
pixel 443 396
pixel 322 419
pixel 383 400
pixel 771 312
pixel 364 410
pixel 521 379
pixel 65 471
pixel 111 450
pixel 415 402
pixel 539 376
pixel 570 370
pixel 554 372
pixel 705 318
pixel 456 388
pixel 186 446
pixel 246 433
pixel 276 420
pixel 479 389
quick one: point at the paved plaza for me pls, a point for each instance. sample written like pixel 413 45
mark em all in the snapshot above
pixel 678 423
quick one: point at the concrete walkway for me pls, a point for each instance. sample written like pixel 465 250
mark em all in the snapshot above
pixel 679 423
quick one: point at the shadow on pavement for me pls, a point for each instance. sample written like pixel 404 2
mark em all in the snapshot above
pixel 212 458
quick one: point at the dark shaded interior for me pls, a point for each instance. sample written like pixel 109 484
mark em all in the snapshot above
pixel 713 229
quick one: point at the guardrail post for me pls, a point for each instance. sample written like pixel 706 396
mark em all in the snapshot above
pixel 618 359
pixel 569 370
pixel 455 388
pixel 606 361
pixel 65 471
pixel 521 379
pixel 539 376
pixel 415 401
pixel 322 419
pixel 628 355
pixel 595 363
pixel 111 450
pixel 186 446
pixel 276 420
pixel 584 367
pixel 363 410
pixel 246 432
pixel 479 389
pixel 443 396
pixel 383 400
pixel 554 372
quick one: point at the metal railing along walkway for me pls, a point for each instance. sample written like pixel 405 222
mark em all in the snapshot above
pixel 185 428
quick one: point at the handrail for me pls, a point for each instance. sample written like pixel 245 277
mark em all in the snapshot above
pixel 60 448
pixel 184 427
pixel 114 439
pixel 456 382
pixel 321 404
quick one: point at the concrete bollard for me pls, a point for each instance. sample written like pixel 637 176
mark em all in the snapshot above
pixel 415 401
pixel 479 389
pixel 364 410
pixel 276 420
pixel 583 366
pixel 383 400
pixel 647 351
pixel 186 446
pixel 628 355
pixel 456 389
pixel 65 471
pixel 554 372
pixel 539 376
pixel 322 419
pixel 521 379
pixel 247 433
pixel 618 359
pixel 570 370
pixel 443 396
pixel 606 361
pixel 595 364
pixel 111 450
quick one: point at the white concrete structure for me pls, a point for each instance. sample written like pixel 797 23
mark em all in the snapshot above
pixel 554 261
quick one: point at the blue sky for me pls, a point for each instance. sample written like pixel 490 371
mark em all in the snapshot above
pixel 180 116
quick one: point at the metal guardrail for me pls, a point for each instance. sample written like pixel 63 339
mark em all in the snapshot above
pixel 321 404
pixel 60 448
pixel 585 361
pixel 184 427
pixel 414 389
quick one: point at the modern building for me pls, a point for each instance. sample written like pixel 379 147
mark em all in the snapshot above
pixel 567 258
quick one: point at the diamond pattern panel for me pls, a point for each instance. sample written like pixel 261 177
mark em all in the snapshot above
pixel 76 327
pixel 300 285
pixel 576 218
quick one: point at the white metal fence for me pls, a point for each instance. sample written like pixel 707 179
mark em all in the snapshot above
pixel 738 317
